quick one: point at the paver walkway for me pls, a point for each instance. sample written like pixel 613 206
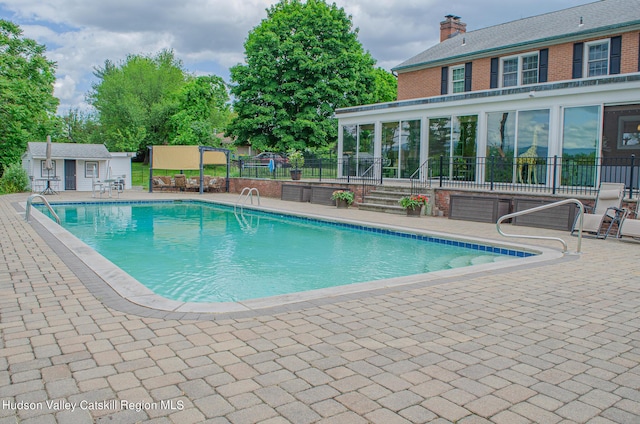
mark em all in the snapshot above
pixel 552 344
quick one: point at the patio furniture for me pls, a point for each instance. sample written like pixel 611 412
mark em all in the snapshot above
pixel 630 227
pixel 180 181
pixel 606 213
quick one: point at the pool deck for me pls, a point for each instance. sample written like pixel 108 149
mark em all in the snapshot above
pixel 552 342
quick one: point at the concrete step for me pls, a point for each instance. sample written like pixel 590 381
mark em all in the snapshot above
pixel 393 209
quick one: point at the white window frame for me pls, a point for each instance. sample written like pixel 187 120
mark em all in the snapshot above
pixel 453 82
pixel 520 71
pixel 587 47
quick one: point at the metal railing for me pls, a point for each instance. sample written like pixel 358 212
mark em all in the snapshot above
pixel 553 175
pixel 30 199
pixel 580 218
pixel 246 194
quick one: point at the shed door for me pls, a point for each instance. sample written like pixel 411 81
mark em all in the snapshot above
pixel 69 174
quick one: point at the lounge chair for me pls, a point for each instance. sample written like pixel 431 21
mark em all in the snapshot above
pixel 630 227
pixel 607 210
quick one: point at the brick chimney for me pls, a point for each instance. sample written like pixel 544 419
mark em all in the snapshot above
pixel 451 27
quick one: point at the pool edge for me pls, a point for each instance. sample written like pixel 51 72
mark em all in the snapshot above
pixel 130 289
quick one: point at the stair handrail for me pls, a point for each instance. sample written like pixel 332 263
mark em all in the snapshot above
pixel 247 192
pixel 540 208
pixel 30 199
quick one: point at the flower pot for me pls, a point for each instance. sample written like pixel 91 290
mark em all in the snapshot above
pixel 414 212
pixel 341 204
pixel 296 174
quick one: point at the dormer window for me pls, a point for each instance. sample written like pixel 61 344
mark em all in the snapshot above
pixel 520 70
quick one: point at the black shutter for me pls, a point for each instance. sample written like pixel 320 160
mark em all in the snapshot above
pixel 444 82
pixel 467 76
pixel 577 60
pixel 614 55
pixel 543 65
pixel 495 63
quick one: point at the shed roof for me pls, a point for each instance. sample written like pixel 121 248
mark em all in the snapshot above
pixel 69 151
pixel 577 22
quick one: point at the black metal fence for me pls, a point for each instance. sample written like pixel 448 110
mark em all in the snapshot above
pixel 552 175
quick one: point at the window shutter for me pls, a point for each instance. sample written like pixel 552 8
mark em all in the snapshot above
pixel 639 55
pixel 577 60
pixel 467 76
pixel 543 65
pixel 444 83
pixel 614 55
pixel 495 64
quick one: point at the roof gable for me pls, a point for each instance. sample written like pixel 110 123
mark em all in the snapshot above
pixel 576 22
pixel 38 150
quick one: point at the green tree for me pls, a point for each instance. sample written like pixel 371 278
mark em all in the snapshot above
pixel 202 112
pixel 136 99
pixel 27 105
pixel 302 62
pixel 385 87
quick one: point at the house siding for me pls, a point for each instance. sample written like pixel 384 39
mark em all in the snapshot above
pixel 427 82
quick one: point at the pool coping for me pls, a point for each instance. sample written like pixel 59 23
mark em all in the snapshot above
pixel 131 290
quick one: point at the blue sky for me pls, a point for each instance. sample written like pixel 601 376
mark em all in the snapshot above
pixel 208 35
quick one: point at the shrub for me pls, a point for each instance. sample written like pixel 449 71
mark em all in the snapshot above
pixel 14 179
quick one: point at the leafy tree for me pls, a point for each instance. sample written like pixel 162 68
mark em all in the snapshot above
pixel 385 87
pixel 78 126
pixel 203 111
pixel 136 99
pixel 27 105
pixel 302 62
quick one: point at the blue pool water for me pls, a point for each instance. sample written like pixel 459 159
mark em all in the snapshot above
pixel 202 252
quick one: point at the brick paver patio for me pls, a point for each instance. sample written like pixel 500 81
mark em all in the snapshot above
pixel 558 343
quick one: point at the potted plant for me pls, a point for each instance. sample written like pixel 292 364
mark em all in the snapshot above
pixel 413 204
pixel 343 198
pixel 296 159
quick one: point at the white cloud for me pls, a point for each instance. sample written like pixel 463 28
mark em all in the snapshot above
pixel 208 35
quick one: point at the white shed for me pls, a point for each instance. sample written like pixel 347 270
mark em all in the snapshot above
pixel 75 166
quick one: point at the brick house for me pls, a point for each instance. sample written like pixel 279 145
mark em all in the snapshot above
pixel 559 86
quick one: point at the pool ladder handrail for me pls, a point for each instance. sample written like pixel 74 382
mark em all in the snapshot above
pixel 248 194
pixel 540 208
pixel 27 212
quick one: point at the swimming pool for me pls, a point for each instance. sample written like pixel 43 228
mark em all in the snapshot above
pixel 193 251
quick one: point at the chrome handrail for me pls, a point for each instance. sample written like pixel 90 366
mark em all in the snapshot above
pixel 248 194
pixel 27 212
pixel 540 208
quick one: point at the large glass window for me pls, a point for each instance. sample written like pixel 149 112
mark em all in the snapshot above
pixel 400 148
pixel 579 145
pixel 517 146
pixel 501 139
pixel 453 138
pixel 532 146
pixel 597 58
pixel 464 147
pixel 357 149
pixel 409 148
